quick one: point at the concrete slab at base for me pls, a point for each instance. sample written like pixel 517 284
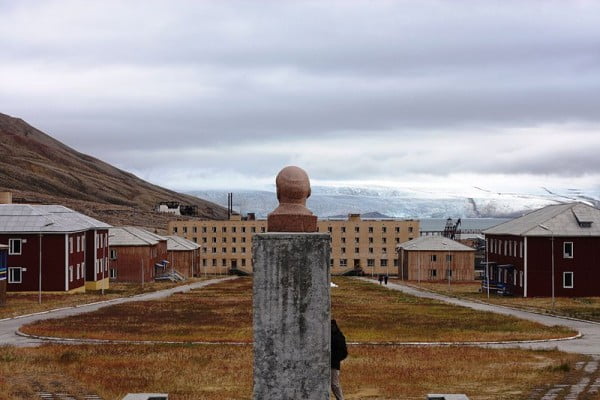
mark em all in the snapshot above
pixel 146 396
pixel 447 397
pixel 292 330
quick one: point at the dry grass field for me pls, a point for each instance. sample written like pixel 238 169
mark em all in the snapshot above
pixel 223 313
pixel 27 303
pixel 225 371
pixel 577 307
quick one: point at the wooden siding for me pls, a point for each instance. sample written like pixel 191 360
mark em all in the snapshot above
pixel 186 262
pixel 129 261
pixel 416 265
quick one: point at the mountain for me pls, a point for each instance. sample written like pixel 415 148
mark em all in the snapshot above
pixel 40 169
pixel 474 202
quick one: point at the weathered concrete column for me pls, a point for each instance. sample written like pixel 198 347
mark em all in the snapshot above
pixel 291 299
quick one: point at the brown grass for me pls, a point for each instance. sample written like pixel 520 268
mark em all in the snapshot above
pixel 225 371
pixel 27 303
pixel 223 312
pixel 577 307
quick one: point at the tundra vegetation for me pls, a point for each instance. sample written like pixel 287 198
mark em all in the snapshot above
pixel 222 314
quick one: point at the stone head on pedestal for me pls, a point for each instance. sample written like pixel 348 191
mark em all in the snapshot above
pixel 293 188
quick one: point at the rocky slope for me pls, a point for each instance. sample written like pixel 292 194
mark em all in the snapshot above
pixel 40 169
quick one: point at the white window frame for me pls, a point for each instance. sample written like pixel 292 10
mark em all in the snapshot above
pixel 113 273
pixel 70 273
pixel 78 267
pixel 78 244
pixel 11 277
pixel 572 280
pixel 71 245
pixel 113 254
pixel 565 255
pixel 11 247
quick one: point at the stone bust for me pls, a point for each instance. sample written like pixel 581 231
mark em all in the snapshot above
pixel 293 188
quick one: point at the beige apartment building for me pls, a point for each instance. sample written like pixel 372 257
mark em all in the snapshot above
pixel 367 244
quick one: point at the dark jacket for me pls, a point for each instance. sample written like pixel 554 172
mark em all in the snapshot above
pixel 339 351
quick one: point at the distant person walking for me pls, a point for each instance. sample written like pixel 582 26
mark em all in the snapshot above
pixel 380 277
pixel 385 279
pixel 339 352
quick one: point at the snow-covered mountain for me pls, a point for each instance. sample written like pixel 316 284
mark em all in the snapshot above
pixel 475 202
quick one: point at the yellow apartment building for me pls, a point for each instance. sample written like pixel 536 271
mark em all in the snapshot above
pixel 367 244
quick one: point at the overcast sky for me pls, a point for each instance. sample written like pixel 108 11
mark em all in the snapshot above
pixel 198 94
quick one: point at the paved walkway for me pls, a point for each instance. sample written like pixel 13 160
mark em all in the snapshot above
pixel 588 343
pixel 9 327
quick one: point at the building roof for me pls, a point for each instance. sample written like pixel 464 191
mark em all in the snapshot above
pixel 433 243
pixel 28 218
pixel 177 243
pixel 571 219
pixel 132 236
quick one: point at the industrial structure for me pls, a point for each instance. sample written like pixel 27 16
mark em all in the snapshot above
pixel 554 251
pixel 358 245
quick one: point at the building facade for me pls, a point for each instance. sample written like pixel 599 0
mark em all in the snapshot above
pixel 136 255
pixel 183 256
pixel 53 248
pixel 553 249
pixel 435 258
pixel 358 245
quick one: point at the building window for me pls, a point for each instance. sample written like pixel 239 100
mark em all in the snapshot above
pixel 384 262
pixel 370 240
pixel 356 229
pixel 195 229
pixel 371 250
pixel 214 229
pixel 78 267
pixel 433 258
pixel 343 262
pixel 214 240
pixel 568 249
pixel 14 247
pixel 224 249
pixel 204 262
pixel 70 273
pixel 174 229
pixel 234 240
pixel 233 229
pixel 262 229
pixel 343 250
pixel 243 250
pixel 113 273
pixel 397 240
pixel 356 250
pixel 383 229
pixel 224 239
pixel 243 239
pixel 521 249
pixel 397 229
pixel 448 257
pixel 410 229
pixel 330 229
pixel 356 240
pixel 243 262
pixel 203 229
pixel 343 240
pixel 331 262
pixel 395 262
pixel 243 230
pixel 214 249
pixel 233 250
pixel 71 245
pixel 214 262
pixel 384 250
pixel 78 244
pixel 384 240
pixel 184 229
pixel 448 273
pixel 204 240
pixel 370 262
pixel 224 262
pixel 15 275
pixel 432 273
pixel 370 229
pixel 253 229
pixel 568 280
pixel 343 229
pixel 224 229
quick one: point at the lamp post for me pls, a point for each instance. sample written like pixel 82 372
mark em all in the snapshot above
pixel 552 240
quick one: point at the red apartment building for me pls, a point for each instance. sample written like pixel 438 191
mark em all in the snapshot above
pixel 53 246
pixel 564 238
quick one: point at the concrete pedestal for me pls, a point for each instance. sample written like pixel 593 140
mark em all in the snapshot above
pixel 291 316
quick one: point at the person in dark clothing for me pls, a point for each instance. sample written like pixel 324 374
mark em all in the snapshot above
pixel 339 352
pixel 380 278
pixel 385 279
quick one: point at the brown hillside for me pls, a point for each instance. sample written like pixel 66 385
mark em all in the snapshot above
pixel 40 169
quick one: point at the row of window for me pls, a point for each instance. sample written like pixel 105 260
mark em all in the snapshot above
pixel 511 248
pixel 254 229
pixel 15 274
